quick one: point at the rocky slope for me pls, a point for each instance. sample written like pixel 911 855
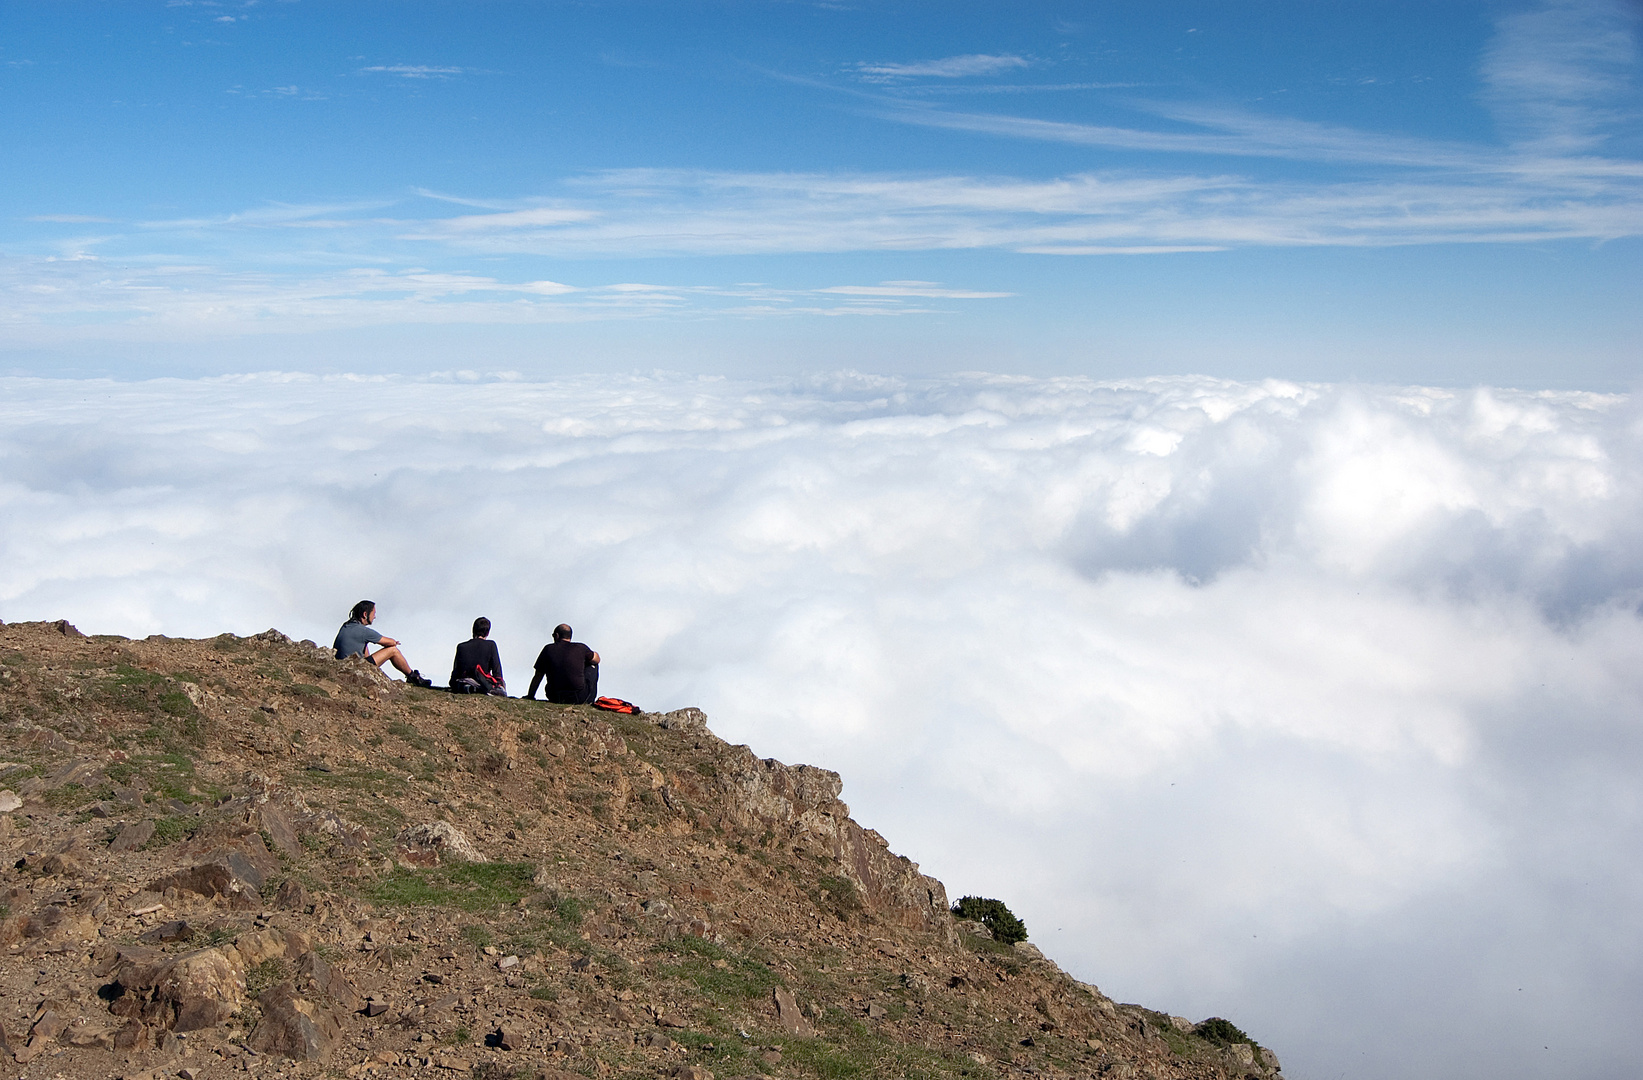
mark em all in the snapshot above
pixel 241 855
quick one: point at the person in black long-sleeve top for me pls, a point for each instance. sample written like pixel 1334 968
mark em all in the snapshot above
pixel 478 660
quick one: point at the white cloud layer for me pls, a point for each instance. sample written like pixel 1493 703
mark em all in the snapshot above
pixel 1317 707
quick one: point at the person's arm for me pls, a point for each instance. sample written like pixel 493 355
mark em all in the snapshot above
pixel 496 662
pixel 386 642
pixel 536 680
pixel 595 659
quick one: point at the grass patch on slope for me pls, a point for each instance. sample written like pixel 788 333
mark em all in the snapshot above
pixel 465 886
pixel 719 973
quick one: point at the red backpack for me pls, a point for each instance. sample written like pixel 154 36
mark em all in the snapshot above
pixel 616 704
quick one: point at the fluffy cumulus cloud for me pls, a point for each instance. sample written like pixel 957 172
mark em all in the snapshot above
pixel 1313 706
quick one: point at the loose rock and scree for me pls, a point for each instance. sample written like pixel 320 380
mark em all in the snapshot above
pixel 241 856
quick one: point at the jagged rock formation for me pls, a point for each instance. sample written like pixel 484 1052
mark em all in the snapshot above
pixel 228 851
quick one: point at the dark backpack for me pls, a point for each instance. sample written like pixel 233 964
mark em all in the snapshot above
pixel 488 684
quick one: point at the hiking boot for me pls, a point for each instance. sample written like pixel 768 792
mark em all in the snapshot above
pixel 416 679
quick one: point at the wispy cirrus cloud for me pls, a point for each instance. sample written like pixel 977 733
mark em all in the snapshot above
pixel 951 67
pixel 1561 77
pixel 534 218
pixel 931 289
pixel 90 298
pixel 659 212
pixel 70 219
pixel 414 71
pixel 269 215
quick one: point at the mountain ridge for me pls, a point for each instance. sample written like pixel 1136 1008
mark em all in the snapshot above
pixel 242 855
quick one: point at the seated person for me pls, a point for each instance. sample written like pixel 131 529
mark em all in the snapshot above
pixel 571 668
pixel 478 662
pixel 356 636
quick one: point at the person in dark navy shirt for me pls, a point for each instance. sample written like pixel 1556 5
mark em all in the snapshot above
pixel 478 661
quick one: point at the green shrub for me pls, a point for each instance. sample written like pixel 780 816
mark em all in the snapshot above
pixel 839 896
pixel 994 916
pixel 1217 1030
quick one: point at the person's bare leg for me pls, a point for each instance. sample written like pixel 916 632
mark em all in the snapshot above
pixel 394 656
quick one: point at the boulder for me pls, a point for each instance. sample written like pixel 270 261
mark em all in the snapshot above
pixel 294 1026
pixel 66 862
pixel 30 1050
pixel 232 878
pixel 53 1020
pixel 692 1072
pixel 291 896
pixel 206 987
pixel 319 977
pixel 433 843
pixel 89 1037
pixel 133 1038
pixel 787 1013
pixel 85 771
pixel 258 946
pixel 693 721
pixel 235 867
pixel 133 836
pixel 9 801
pixel 220 839
pixel 280 826
pixel 188 992
pixel 175 930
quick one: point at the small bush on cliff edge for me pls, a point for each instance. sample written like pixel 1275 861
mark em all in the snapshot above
pixel 992 914
pixel 1224 1032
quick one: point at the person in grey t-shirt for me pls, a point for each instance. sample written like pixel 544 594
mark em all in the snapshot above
pixel 356 636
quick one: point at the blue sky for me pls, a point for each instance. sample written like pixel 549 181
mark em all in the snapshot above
pixel 1445 193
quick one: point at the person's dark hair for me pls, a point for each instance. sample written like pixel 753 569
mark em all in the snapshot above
pixel 359 610
pixel 562 632
pixel 482 626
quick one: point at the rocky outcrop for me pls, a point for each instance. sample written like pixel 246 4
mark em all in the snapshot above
pixel 234 867
pixel 802 802
pixel 294 1026
pixel 433 843
pixel 194 990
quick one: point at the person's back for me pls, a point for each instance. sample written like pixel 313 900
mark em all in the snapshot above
pixel 570 668
pixel 478 660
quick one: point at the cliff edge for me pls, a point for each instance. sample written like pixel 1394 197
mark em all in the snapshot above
pixel 240 855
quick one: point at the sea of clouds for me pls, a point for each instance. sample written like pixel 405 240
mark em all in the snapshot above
pixel 1316 707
